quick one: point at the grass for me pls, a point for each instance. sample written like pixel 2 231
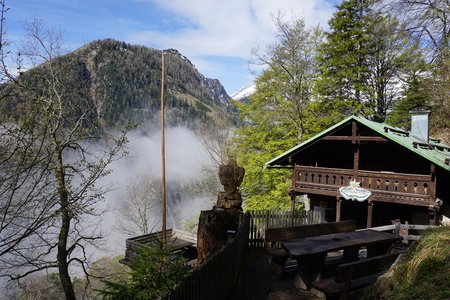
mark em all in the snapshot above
pixel 424 274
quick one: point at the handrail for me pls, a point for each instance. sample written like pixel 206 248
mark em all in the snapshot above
pixel 403 230
pixel 396 184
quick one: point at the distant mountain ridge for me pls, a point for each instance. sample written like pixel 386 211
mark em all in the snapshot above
pixel 244 93
pixel 213 87
pixel 123 82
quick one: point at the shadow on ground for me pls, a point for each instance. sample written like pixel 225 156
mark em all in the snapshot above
pixel 257 283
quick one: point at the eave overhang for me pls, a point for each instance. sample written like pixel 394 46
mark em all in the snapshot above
pixel 434 152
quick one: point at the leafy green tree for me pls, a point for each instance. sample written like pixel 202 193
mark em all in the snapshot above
pixel 291 67
pixel 276 117
pixel 259 140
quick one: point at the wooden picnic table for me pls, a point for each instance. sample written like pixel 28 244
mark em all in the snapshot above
pixel 310 252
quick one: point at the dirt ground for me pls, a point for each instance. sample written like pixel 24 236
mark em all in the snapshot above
pixel 257 283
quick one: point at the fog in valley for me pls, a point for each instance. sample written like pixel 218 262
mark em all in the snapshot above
pixel 188 165
pixel 191 187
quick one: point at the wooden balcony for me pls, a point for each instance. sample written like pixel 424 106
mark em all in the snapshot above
pixel 391 187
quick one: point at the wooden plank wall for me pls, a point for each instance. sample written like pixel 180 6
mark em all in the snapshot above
pixel 217 277
pixel 262 219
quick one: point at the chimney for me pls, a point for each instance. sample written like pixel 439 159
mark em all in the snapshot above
pixel 419 122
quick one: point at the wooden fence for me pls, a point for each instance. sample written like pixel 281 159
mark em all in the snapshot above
pixel 217 277
pixel 262 219
pixel 409 232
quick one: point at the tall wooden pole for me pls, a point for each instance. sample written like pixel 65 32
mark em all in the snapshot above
pixel 163 156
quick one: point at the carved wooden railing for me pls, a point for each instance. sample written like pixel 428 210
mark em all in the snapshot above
pixel 385 186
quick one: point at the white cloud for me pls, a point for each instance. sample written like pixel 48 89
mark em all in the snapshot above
pixel 230 27
pixel 201 29
pixel 208 32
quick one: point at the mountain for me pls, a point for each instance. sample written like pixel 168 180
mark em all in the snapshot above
pixel 122 82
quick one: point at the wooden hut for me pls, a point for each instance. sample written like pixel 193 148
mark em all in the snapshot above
pixel 407 173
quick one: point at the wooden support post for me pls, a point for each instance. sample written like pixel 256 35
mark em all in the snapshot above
pixel 432 187
pixel 292 194
pixel 355 143
pixel 433 218
pixel 338 208
pixel 369 214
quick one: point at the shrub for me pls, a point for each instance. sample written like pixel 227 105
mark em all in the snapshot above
pixel 155 272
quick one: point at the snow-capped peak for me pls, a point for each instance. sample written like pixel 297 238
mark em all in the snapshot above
pixel 244 92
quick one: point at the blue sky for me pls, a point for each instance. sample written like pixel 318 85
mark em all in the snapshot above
pixel 216 35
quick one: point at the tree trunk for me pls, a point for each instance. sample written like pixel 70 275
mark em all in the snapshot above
pixel 63 253
pixel 213 231
pixel 63 266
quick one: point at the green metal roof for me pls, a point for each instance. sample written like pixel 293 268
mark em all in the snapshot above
pixel 433 151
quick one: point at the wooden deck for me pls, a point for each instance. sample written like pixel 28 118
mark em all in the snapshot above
pixel 177 240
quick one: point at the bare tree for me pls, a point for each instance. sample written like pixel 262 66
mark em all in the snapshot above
pixel 218 140
pixel 139 212
pixel 428 20
pixel 55 155
pixel 393 55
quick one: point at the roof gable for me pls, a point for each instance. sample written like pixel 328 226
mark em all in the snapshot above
pixel 433 151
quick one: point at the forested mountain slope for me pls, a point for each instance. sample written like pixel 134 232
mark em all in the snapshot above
pixel 122 82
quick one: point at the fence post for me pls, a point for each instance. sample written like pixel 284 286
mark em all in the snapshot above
pixel 397 227
pixel 405 232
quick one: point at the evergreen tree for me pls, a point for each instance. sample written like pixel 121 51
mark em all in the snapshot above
pixel 366 54
pixel 416 93
pixel 155 272
pixel 344 68
pixel 439 85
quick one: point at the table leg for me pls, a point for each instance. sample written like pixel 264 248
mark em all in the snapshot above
pixel 309 267
pixel 378 249
pixel 351 253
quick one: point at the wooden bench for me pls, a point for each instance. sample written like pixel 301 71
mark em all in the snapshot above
pixel 355 275
pixel 273 237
